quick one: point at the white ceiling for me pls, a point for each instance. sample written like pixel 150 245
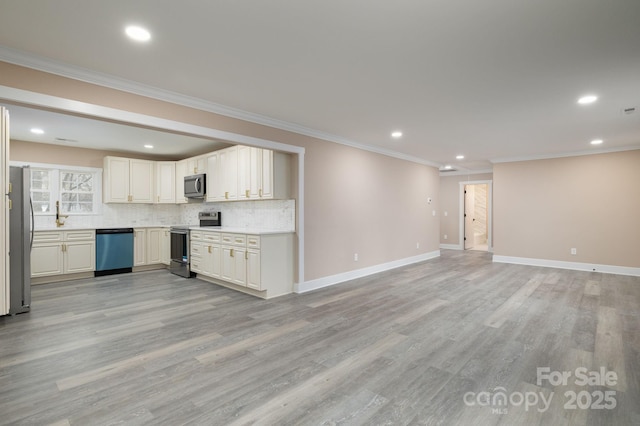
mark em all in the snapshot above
pixel 82 132
pixel 492 80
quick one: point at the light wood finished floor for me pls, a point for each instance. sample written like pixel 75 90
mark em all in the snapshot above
pixel 407 346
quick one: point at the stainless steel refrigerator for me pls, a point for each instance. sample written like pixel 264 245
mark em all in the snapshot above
pixel 20 239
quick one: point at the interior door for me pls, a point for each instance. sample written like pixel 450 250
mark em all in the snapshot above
pixel 469 197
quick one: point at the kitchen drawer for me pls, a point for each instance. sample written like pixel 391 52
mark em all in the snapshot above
pixel 79 235
pixel 196 235
pixel 211 237
pixel 253 241
pixel 197 249
pixel 195 265
pixel 47 236
pixel 239 240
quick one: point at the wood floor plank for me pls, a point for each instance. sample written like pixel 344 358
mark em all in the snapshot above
pixel 512 304
pixel 101 373
pixel 270 412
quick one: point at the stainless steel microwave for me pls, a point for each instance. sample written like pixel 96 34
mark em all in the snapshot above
pixel 195 186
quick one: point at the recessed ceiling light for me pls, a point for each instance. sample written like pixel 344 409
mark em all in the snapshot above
pixel 459 157
pixel 596 142
pixel 148 146
pixel 37 131
pixel 397 134
pixel 587 99
pixel 137 33
pixel 448 167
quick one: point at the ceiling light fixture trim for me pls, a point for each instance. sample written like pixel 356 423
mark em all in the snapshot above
pixel 137 33
pixel 587 99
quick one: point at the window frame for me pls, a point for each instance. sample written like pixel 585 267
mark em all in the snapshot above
pixel 55 185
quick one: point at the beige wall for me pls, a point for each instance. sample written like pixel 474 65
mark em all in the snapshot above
pixel 365 203
pixel 544 208
pixel 58 154
pixel 355 201
pixel 450 203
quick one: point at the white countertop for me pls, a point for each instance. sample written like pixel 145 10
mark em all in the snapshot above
pixel 232 230
pixel 85 227
pixel 227 229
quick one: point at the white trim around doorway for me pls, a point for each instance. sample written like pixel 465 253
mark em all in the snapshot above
pixel 489 212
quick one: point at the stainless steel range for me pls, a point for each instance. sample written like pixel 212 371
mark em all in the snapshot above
pixel 180 243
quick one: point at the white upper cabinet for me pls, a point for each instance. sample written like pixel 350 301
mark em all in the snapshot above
pixel 232 174
pixel 116 180
pixel 229 173
pixel 165 182
pixel 141 181
pixel 181 172
pixel 128 180
pixel 214 184
pixel 276 175
pixel 248 173
pixel 197 165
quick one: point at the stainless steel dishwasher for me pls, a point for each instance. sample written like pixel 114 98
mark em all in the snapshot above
pixel 114 251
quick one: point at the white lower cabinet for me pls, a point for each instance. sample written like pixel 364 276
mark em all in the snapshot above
pixel 165 246
pixel 148 246
pixel 261 265
pixel 63 252
pixel 154 246
pixel 46 259
pixel 139 247
pixel 253 269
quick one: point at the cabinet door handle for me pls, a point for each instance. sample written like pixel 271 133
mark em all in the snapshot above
pixel 226 195
pixel 158 198
pixel 209 249
pixel 260 193
pixel 246 193
pixel 231 253
pixel 246 255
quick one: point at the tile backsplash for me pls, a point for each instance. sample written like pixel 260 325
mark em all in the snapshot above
pixel 265 214
pixel 277 215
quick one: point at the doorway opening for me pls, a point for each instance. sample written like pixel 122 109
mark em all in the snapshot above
pixel 476 218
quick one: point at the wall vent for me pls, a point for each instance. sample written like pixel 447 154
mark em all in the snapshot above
pixel 629 111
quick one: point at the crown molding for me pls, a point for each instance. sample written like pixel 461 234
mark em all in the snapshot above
pixel 50 66
pixel 563 154
pixel 465 172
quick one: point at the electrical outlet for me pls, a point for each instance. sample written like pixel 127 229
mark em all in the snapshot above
pixel 574 252
pixel 446 213
pixel 355 257
pixel 417 245
pixel 446 236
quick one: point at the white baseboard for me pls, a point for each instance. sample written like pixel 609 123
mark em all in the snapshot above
pixel 451 246
pixel 576 266
pixel 359 273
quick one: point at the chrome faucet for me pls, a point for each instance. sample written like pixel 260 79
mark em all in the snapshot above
pixel 59 223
